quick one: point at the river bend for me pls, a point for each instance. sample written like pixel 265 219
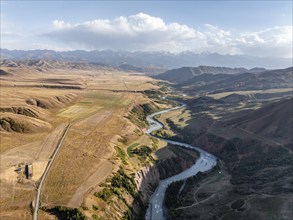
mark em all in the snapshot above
pixel 205 162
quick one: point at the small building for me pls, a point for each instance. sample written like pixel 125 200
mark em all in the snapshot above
pixel 29 171
pixel 19 168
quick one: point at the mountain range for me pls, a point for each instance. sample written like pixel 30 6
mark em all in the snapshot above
pixel 150 59
pixel 187 73
pixel 223 79
pixel 255 147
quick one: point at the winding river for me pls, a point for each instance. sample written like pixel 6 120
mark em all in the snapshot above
pixel 205 162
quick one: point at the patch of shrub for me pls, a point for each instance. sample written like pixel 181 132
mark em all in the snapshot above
pixel 122 180
pixel 95 208
pixel 123 140
pixel 95 217
pixel 237 204
pixel 105 194
pixel 142 151
pixel 121 154
pixel 67 213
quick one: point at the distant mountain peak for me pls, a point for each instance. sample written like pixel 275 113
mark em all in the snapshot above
pixel 186 73
pixel 142 58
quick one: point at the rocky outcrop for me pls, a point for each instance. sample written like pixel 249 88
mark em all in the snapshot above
pixel 10 122
pixel 139 113
pixel 21 111
pixel 148 178
pixel 53 102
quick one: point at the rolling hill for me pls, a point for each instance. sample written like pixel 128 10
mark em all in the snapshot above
pixel 186 73
pixel 143 59
pixel 271 121
pixel 199 82
pixel 255 149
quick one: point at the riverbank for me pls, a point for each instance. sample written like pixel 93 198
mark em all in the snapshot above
pixel 254 180
pixel 205 162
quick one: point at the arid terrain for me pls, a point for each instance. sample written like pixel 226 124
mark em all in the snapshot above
pixel 146 110
pixel 38 101
pixel 250 131
pixel 107 168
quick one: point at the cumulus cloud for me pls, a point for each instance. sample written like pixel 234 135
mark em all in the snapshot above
pixel 145 32
pixel 136 32
pixel 276 41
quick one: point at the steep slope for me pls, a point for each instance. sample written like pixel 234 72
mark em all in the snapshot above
pixel 150 70
pixel 216 83
pixel 266 127
pixel 49 64
pixel 10 122
pixel 3 72
pixel 271 121
pixel 186 73
pixel 255 177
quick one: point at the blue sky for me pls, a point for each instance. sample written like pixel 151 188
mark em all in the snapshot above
pixel 262 28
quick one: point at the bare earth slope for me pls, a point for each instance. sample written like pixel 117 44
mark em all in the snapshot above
pixel 271 121
pixel 186 73
pixel 38 100
pixel 254 180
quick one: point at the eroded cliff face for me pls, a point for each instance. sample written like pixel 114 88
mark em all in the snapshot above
pixel 148 178
pixel 127 205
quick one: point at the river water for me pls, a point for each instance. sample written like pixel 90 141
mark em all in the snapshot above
pixel 205 162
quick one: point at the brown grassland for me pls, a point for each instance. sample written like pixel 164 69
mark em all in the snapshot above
pixel 36 106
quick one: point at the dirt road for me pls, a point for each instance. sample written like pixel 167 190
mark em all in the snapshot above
pixel 37 204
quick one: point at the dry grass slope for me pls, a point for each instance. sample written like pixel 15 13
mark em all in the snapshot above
pixel 37 102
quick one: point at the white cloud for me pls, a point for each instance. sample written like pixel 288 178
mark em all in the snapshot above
pixel 135 32
pixel 149 33
pixel 276 41
pixel 61 24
